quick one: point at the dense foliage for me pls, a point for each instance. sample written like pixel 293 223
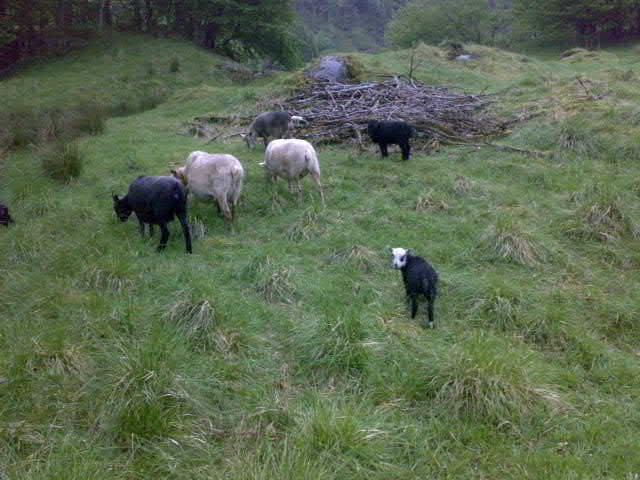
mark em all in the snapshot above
pixel 590 21
pixel 433 21
pixel 346 24
pixel 239 28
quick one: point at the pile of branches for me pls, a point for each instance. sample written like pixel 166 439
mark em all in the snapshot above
pixel 338 112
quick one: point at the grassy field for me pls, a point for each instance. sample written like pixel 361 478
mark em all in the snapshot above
pixel 283 349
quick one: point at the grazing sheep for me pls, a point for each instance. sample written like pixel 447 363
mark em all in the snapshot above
pixel 292 159
pixel 272 125
pixel 155 200
pixel 5 218
pixel 391 132
pixel 213 175
pixel 419 278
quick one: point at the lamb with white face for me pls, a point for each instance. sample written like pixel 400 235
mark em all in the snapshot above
pixel 399 257
pixel 419 278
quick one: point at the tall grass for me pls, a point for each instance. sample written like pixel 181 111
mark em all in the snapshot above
pixel 62 161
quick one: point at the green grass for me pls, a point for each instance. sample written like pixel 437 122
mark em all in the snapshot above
pixel 284 349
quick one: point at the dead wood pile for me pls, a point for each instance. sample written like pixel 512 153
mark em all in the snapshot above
pixel 337 112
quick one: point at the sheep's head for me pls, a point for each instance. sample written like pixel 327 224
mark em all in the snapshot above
pixel 180 174
pixel 399 257
pixel 297 121
pixel 122 208
pixel 250 139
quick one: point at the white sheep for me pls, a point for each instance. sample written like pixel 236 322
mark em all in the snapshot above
pixel 213 175
pixel 292 159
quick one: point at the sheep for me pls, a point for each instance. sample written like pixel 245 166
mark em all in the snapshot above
pixel 391 132
pixel 272 124
pixel 155 200
pixel 292 159
pixel 419 278
pixel 5 218
pixel 213 175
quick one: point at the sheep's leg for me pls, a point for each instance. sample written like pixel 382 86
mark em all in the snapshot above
pixel 151 230
pixel 185 230
pixel 271 182
pixel 299 189
pixel 414 305
pixel 383 150
pixel 406 151
pixel 226 211
pixel 316 178
pixel 164 237
pixel 430 300
pixel 266 141
pixel 141 226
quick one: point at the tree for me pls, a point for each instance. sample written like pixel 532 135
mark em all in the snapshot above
pixel 587 20
pixel 432 21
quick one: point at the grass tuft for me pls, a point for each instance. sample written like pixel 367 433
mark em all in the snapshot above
pixel 358 256
pixel 335 345
pixel 427 202
pixel 500 308
pixel 306 228
pixel 195 318
pixel 462 185
pixel 576 135
pixel 272 281
pixel 506 241
pixel 600 215
pixel 486 379
pixel 62 161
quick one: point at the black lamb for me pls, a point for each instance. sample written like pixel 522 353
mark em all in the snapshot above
pixel 156 201
pixel 391 132
pixel 419 278
pixel 5 218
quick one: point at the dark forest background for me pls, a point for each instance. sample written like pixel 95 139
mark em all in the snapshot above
pixel 290 32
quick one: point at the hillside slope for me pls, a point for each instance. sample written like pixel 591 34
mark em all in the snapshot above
pixel 283 349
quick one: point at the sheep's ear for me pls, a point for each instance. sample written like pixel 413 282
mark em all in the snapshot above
pixel 115 197
pixel 409 251
pixel 174 173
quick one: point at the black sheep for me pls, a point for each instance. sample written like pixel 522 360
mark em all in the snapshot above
pixel 5 218
pixel 391 132
pixel 419 278
pixel 155 200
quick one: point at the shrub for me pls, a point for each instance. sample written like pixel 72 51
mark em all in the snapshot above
pixel 63 161
pixel 88 118
pixel 174 66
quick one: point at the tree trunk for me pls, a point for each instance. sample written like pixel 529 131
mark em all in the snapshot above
pixel 148 18
pixel 137 15
pixel 64 14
